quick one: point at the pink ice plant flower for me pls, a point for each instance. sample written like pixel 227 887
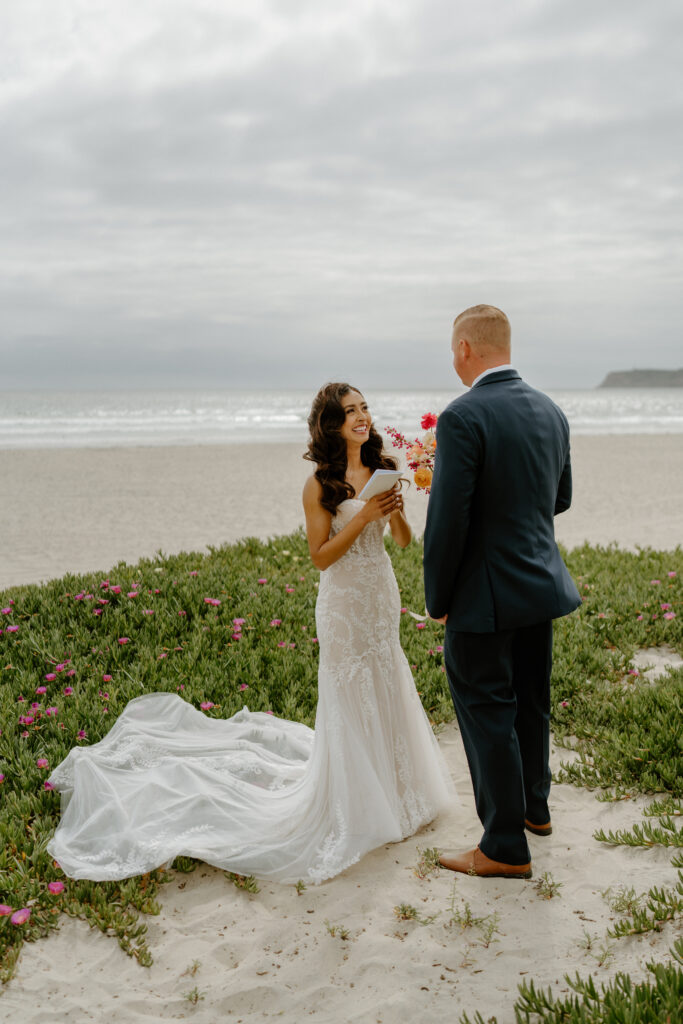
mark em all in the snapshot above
pixel 243 686
pixel 671 575
pixel 182 614
pixel 665 607
pixel 41 689
pixel 48 785
pixel 71 673
pixel 42 762
pixel 639 618
pixel 262 581
pixel 238 622
pixel 669 615
pixel 81 734
pixel 50 676
pixel 12 629
pixel 124 640
pixel 68 691
pixel 51 712
pixel 106 679
pixel 236 636
pixel 420 625
pixel 655 582
pixel 55 887
pixel 21 916
pixel 5 911
pixel 281 643
pixel 115 590
pixel 2 777
pixel 276 622
pixel 148 611
pixel 193 572
pixel 206 705
pixel 5 611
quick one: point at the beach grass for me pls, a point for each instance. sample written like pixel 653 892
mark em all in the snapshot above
pixel 237 626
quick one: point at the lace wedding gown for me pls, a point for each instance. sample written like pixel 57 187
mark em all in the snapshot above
pixel 260 795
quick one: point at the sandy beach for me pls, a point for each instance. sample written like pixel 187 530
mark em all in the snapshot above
pixel 77 510
pixel 271 955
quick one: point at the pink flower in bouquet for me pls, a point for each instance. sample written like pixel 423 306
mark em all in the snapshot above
pixel 55 887
pixel 428 421
pixel 21 916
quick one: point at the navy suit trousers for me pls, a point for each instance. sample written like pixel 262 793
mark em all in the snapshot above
pixel 500 685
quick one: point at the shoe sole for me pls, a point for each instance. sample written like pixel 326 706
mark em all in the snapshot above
pixel 540 831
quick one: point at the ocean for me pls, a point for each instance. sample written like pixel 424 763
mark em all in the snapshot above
pixel 106 419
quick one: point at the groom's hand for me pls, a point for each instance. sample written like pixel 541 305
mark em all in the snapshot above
pixel 443 620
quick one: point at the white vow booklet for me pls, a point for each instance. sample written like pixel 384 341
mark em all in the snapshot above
pixel 381 480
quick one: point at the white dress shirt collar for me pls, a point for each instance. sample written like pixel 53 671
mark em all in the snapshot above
pixel 491 369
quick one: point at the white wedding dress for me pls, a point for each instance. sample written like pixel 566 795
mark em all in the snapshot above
pixel 259 795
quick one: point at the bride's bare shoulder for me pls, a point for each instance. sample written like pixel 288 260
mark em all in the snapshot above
pixel 312 490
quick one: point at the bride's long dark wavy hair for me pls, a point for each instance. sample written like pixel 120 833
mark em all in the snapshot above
pixel 327 448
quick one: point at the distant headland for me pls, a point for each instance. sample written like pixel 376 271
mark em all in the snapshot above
pixel 643 379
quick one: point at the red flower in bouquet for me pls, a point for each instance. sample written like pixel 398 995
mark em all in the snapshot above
pixel 419 453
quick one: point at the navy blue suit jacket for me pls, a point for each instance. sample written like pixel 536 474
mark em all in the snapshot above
pixel 502 472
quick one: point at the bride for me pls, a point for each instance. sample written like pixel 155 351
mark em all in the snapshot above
pixel 263 796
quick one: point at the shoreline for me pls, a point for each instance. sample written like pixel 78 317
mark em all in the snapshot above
pixel 83 510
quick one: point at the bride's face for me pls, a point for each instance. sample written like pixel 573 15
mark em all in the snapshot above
pixel 355 429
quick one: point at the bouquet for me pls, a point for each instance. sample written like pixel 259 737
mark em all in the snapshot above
pixel 419 453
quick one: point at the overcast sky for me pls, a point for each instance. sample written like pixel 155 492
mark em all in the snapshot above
pixel 240 194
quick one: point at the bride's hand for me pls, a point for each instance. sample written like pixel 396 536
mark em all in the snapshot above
pixel 383 505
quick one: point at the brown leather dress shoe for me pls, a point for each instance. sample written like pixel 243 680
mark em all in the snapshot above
pixel 474 862
pixel 538 830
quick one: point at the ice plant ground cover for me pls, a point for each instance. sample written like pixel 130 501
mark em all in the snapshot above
pixel 236 626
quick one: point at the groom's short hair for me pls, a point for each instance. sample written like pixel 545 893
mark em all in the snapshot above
pixel 485 327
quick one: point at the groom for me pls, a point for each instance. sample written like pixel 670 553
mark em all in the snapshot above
pixel 494 576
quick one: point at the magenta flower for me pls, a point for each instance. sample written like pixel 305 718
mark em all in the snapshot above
pixel 51 712
pixel 35 705
pixel 281 643
pixel 26 719
pixel 12 629
pixel 161 656
pixel 55 887
pixel 403 611
pixel 639 618
pixel 243 686
pixel 276 622
pixel 71 672
pixel 50 676
pixel 104 584
pixel 270 712
pixel 292 646
pixel 81 734
pixel 2 777
pixel 262 581
pixel 655 582
pixel 148 611
pixel 428 421
pixel 42 762
pixel 106 679
pixel 61 667
pixel 236 636
pixel 5 911
pixel 182 613
pixel 669 615
pixel 103 695
pixel 212 601
pixel 206 705
pixel 132 593
pixel 115 590
pixel 68 691
pixel 420 625
pixel 124 640
pixel 564 703
pixel 5 611
pixel 665 607
pixel 633 672
pixel 289 590
pixel 41 689
pixel 238 622
pixel 24 735
pixel 47 785
pixel 21 916
pixel 102 600
pixel 314 639
pixel 21 699
pixel 671 575
pixel 601 615
pixel 194 572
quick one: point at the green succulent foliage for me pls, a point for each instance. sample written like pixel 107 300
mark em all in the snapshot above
pixel 628 733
